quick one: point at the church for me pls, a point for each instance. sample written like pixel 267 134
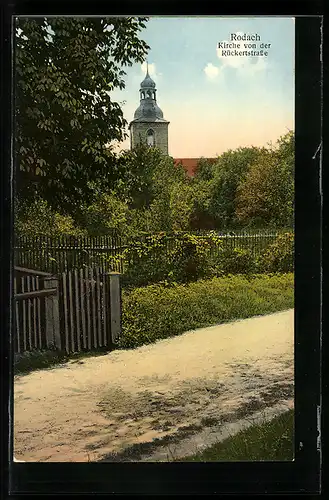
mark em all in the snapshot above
pixel 150 127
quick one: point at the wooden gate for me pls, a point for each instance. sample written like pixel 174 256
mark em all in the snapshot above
pixel 90 309
pixel 35 311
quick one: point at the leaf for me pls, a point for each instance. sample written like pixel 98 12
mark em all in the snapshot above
pixel 56 85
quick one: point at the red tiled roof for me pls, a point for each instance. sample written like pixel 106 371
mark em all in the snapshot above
pixel 190 164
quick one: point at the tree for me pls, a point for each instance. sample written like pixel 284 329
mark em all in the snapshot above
pixel 172 197
pixel 106 215
pixel 66 69
pixel 266 195
pixel 136 170
pixel 202 215
pixel 156 190
pixel 229 170
pixel 205 170
pixel 37 218
pixel 172 208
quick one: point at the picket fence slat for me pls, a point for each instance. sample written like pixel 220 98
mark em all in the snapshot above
pixel 34 301
pixel 88 307
pixel 104 303
pixel 82 308
pixel 57 255
pixel 71 310
pixel 98 299
pixel 65 307
pixel 77 309
pixel 93 306
pixel 39 314
pixel 24 315
pixel 17 318
pixel 29 304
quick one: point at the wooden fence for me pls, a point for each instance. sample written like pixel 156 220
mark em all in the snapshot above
pixel 34 302
pixel 74 311
pixel 60 254
pixel 90 308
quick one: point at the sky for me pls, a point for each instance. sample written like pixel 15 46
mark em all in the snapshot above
pixel 215 102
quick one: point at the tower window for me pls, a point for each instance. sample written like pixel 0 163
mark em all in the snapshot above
pixel 143 95
pixel 149 94
pixel 150 137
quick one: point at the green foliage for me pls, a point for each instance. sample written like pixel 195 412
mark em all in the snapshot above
pixel 235 261
pixel 249 186
pixel 107 215
pixel 66 69
pixel 205 170
pixel 266 195
pixel 158 192
pixel 173 257
pixel 66 124
pixel 172 208
pixel 279 257
pixel 37 218
pixel 136 170
pixel 266 441
pixel 161 311
pixel 230 168
pixel 146 260
pixel 202 216
pixel 285 150
pixel 191 256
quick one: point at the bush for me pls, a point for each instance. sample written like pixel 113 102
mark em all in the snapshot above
pixel 177 257
pixel 107 215
pixel 147 261
pixel 235 261
pixel 191 258
pixel 37 218
pixel 279 256
pixel 157 311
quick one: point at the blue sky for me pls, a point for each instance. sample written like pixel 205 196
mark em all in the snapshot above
pixel 216 103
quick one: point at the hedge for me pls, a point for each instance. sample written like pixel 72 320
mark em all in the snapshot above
pixel 158 311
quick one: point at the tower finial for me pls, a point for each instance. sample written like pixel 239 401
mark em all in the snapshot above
pixel 147 68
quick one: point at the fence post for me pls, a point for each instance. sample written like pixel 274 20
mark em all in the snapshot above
pixel 53 334
pixel 115 305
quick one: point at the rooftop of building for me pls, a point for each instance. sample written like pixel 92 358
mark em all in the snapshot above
pixel 190 164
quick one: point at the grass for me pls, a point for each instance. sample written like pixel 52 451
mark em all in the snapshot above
pixel 269 441
pixel 156 311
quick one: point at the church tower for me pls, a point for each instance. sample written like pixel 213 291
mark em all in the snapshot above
pixel 148 126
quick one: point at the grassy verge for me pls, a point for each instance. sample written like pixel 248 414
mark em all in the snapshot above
pixel 156 312
pixel 268 441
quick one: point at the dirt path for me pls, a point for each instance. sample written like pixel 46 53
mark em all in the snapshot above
pixel 121 402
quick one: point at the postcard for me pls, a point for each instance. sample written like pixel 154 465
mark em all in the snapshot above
pixel 154 239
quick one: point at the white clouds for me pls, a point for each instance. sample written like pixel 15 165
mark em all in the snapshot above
pixel 245 66
pixel 211 71
pixel 232 61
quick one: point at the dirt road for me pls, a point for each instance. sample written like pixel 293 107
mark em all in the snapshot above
pixel 119 403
